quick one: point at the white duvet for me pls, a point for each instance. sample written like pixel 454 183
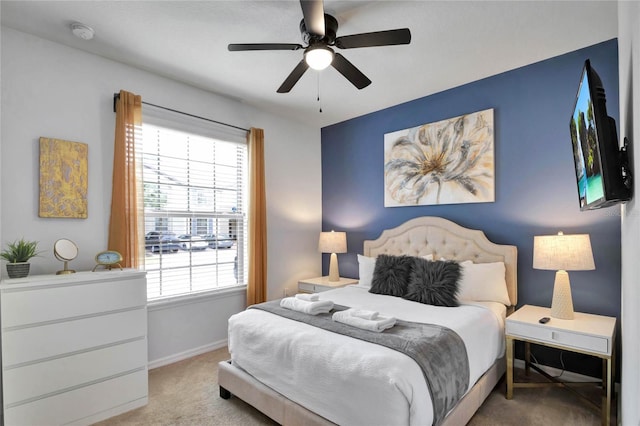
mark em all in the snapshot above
pixel 352 382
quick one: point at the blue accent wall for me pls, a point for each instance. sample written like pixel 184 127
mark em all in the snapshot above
pixel 535 188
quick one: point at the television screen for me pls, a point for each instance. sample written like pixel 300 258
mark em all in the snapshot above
pixel 584 137
pixel 596 154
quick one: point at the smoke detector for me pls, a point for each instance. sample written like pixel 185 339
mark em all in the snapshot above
pixel 82 31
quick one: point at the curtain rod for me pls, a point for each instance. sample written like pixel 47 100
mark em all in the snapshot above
pixel 116 96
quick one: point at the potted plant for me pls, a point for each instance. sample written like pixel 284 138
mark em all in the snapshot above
pixel 18 254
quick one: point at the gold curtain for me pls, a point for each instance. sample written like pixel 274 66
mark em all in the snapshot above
pixel 125 226
pixel 257 283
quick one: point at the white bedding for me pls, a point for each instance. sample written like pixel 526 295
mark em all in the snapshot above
pixel 352 382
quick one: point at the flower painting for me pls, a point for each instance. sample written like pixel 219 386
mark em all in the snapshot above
pixel 447 162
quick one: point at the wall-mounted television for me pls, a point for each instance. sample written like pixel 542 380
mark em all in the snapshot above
pixel 601 167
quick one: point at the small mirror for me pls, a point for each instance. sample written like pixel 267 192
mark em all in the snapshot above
pixel 65 250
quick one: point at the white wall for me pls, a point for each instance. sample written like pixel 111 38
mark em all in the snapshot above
pixel 55 91
pixel 629 51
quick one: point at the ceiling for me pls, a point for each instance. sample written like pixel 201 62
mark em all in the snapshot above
pixel 453 43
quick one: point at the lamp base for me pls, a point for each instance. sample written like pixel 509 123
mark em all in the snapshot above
pixel 334 275
pixel 562 303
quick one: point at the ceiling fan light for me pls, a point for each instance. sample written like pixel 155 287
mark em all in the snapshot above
pixel 319 58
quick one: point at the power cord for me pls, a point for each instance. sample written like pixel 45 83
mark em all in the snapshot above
pixel 561 363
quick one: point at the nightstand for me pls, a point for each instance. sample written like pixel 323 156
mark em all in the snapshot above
pixel 315 285
pixel 586 333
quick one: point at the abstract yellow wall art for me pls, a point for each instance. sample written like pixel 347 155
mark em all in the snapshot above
pixel 63 178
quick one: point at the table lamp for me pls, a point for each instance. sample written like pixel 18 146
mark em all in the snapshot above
pixel 562 253
pixel 333 242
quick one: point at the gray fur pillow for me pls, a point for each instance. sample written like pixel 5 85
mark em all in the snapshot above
pixel 434 283
pixel 391 275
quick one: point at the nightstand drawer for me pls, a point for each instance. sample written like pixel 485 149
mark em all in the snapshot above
pixel 304 287
pixel 316 285
pixel 312 288
pixel 559 337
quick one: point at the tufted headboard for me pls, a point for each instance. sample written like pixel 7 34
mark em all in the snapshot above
pixel 445 239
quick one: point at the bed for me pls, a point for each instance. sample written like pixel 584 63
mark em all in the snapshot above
pixel 298 374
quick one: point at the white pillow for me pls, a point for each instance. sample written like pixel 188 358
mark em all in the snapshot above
pixel 483 282
pixel 429 257
pixel 366 265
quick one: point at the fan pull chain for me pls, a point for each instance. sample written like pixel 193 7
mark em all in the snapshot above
pixel 318 99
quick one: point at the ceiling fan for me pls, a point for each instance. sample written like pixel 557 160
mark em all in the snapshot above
pixel 319 33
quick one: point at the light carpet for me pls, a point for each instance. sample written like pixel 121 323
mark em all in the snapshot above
pixel 186 393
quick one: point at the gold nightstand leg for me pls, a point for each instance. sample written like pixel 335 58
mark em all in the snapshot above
pixel 527 358
pixel 606 409
pixel 509 368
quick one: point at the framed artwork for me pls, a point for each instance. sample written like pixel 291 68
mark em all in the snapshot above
pixel 446 162
pixel 63 178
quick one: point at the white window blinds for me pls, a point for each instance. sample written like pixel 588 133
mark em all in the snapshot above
pixel 195 202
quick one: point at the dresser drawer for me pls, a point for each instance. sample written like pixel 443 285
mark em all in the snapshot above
pixel 54 302
pixel 74 347
pixel 24 345
pixel 552 336
pixel 79 404
pixel 33 380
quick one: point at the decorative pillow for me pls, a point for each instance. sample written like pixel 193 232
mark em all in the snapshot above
pixel 391 275
pixel 366 266
pixel 434 282
pixel 430 257
pixel 484 282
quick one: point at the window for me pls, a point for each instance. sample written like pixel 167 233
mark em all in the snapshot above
pixel 194 187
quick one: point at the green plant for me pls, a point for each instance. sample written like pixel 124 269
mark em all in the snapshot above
pixel 20 251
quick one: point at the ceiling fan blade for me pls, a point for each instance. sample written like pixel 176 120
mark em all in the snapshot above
pixel 263 46
pixel 313 13
pixel 377 38
pixel 350 72
pixel 293 78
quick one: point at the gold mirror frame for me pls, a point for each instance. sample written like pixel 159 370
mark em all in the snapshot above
pixel 65 250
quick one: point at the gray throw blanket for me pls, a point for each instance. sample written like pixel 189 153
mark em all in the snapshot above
pixel 439 351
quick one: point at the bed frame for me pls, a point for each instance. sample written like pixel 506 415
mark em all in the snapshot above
pixel 416 237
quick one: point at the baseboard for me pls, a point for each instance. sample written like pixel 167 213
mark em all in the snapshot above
pixel 103 415
pixel 187 354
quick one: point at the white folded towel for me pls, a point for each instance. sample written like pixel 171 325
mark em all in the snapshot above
pixel 363 313
pixel 309 297
pixel 379 324
pixel 313 308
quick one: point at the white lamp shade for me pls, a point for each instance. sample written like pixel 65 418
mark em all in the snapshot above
pixel 563 252
pixel 333 242
pixel 319 57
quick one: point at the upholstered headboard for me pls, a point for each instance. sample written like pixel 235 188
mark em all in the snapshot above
pixel 445 239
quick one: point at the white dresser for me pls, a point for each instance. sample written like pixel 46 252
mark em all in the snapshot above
pixel 74 347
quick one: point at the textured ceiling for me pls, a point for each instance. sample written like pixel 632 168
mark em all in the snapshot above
pixel 453 42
